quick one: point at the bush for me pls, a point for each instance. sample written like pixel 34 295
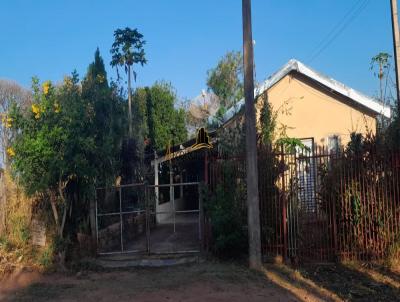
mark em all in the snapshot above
pixel 226 209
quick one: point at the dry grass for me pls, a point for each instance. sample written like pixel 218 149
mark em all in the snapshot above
pixel 16 250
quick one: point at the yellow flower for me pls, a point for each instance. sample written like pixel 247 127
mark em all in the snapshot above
pixel 57 107
pixel 36 111
pixel 10 152
pixel 46 87
pixel 7 121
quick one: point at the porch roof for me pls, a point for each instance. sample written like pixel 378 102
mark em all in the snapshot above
pixel 180 149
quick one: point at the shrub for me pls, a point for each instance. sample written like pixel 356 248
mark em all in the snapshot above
pixel 226 209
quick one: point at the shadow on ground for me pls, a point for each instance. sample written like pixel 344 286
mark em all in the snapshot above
pixel 216 281
pixel 209 281
pixel 337 282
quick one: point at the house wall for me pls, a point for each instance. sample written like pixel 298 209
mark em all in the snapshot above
pixel 307 109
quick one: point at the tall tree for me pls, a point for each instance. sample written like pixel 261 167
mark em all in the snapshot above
pixel 106 124
pixel 166 123
pixel 225 80
pixel 126 51
pixel 381 65
pixel 161 122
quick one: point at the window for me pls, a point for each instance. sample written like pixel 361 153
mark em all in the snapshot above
pixel 333 143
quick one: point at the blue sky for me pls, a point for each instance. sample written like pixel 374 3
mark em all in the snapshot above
pixel 186 38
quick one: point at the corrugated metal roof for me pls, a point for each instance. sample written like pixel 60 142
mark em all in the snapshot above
pixel 295 65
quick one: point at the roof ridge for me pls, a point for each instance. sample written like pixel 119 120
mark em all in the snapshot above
pixel 295 65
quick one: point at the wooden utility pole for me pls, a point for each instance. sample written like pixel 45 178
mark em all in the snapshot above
pixel 253 204
pixel 396 47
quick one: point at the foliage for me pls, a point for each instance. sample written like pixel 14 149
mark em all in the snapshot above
pixel 359 184
pixel 106 126
pixel 381 65
pixel 391 134
pixel 45 256
pixel 382 61
pixel 70 136
pixel 127 49
pixel 226 209
pixel 51 143
pixel 268 124
pixel 157 118
pixel 225 80
pixel 231 140
pixel 291 144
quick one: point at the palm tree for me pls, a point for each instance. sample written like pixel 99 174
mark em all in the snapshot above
pixel 127 50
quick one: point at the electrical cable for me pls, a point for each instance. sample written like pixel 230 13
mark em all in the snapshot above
pixel 348 18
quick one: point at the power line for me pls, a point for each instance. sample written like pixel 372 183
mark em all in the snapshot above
pixel 333 30
pixel 347 19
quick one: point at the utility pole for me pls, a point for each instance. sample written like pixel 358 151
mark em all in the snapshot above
pixel 396 48
pixel 253 204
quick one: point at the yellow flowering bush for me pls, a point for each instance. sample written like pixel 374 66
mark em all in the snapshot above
pixel 46 87
pixel 10 152
pixel 7 121
pixel 36 110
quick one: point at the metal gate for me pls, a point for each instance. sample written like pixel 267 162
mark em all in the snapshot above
pixel 309 219
pixel 156 219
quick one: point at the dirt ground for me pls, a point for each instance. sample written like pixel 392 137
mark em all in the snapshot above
pixel 209 281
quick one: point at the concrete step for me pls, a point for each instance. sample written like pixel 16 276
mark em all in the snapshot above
pixel 141 260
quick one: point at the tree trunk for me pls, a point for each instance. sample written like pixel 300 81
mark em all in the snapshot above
pixel 253 208
pixel 54 208
pixel 61 187
pixel 130 103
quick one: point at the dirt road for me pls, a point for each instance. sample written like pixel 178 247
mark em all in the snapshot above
pixel 195 283
pixel 209 281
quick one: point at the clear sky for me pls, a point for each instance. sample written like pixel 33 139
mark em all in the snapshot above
pixel 185 38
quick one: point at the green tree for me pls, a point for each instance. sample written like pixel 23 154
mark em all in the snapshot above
pixel 126 51
pixel 106 125
pixel 166 123
pixel 381 64
pixel 52 149
pixel 140 122
pixel 225 80
pixel 158 120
